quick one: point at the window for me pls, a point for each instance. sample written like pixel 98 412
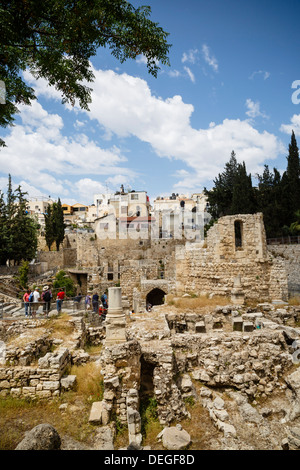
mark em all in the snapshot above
pixel 123 209
pixel 110 276
pixel 134 197
pixel 238 234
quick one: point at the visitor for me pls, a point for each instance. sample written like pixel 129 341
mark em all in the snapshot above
pixel 77 300
pixel 35 302
pixel 104 300
pixel 46 298
pixel 88 301
pixel 26 302
pixel 95 302
pixel 59 300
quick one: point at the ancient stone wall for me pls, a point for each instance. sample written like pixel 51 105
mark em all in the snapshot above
pixel 289 256
pixel 212 267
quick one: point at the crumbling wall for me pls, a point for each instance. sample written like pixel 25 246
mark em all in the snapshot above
pixel 212 267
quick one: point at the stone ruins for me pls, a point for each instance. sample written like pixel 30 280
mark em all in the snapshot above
pixel 239 361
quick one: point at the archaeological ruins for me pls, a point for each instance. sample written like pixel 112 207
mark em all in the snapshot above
pixel 238 360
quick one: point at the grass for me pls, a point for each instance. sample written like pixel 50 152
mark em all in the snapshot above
pixel 60 326
pixel 294 301
pixel 20 415
pixel 197 302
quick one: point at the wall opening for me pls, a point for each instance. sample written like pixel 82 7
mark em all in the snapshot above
pixel 238 234
pixel 147 386
pixel 155 297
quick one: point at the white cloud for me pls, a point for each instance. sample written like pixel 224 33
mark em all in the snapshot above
pixel 191 56
pixel 124 106
pixel 262 73
pixel 190 74
pixel 293 126
pixel 254 109
pixel 209 58
pixel 38 152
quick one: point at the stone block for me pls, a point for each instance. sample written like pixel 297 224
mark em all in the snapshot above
pixel 200 327
pixel 248 326
pixel 96 412
pixel 237 324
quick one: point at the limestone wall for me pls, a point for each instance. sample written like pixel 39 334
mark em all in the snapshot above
pixel 289 256
pixel 211 267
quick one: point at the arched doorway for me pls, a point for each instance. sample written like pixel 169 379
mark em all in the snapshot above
pixel 155 297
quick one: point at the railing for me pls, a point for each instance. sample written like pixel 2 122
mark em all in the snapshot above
pixel 289 240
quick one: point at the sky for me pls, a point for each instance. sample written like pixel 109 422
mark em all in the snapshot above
pixel 233 84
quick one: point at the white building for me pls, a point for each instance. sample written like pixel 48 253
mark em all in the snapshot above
pixel 37 207
pixel 122 204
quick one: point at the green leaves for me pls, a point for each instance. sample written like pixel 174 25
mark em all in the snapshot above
pixel 54 225
pixel 55 39
pixel 18 232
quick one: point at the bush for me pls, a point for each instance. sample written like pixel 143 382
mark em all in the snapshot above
pixel 62 280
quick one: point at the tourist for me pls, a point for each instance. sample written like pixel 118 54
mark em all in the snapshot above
pixel 35 302
pixel 104 300
pixel 95 302
pixel 77 301
pixel 46 298
pixel 88 301
pixel 59 300
pixel 26 302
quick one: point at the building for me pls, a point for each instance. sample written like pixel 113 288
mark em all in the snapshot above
pixel 37 207
pixel 122 204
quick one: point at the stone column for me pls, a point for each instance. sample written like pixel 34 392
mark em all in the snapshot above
pixel 115 318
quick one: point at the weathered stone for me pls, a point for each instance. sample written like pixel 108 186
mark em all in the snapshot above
pixel 42 437
pixel 96 412
pixel 175 439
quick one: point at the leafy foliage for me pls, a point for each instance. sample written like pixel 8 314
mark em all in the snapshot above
pixel 276 196
pixel 55 39
pixel 18 232
pixel 54 225
pixel 62 280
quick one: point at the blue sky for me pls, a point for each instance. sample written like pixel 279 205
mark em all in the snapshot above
pixel 229 87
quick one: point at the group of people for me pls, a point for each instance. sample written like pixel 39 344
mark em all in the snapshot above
pixel 92 302
pixel 33 299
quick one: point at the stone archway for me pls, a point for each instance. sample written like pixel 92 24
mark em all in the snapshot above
pixel 155 297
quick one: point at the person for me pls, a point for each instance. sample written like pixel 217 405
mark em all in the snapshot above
pixel 59 300
pixel 46 298
pixel 104 300
pixel 77 300
pixel 88 301
pixel 35 302
pixel 26 302
pixel 95 302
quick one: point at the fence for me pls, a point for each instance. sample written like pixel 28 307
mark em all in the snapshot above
pixel 289 240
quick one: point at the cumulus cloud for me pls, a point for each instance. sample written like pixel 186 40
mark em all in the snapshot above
pixel 38 151
pixel 293 126
pixel 124 106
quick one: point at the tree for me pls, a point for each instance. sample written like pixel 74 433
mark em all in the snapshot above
pixel 232 192
pixel 291 182
pixel 270 201
pixel 18 232
pixel 54 225
pixel 55 39
pixel 49 228
pixel 58 223
pixel 243 200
